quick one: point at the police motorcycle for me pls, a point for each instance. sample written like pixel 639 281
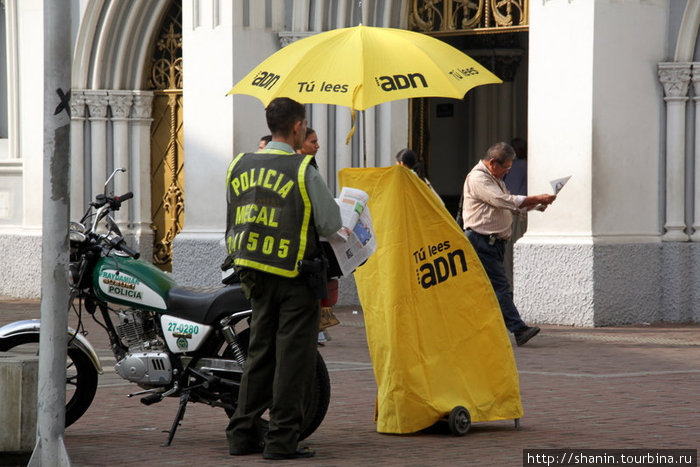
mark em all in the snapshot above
pixel 171 341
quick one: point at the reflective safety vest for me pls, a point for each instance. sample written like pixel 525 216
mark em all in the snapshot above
pixel 269 224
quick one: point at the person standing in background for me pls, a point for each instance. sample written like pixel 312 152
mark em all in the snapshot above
pixel 310 145
pixel 516 182
pixel 487 219
pixel 409 159
pixel 263 141
pixel 328 319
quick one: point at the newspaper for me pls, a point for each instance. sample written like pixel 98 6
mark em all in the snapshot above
pixel 557 184
pixel 355 242
pixel 352 203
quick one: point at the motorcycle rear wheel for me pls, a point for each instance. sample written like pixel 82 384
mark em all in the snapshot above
pixel 81 375
pixel 317 404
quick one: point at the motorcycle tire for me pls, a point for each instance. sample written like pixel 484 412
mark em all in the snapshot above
pixel 320 398
pixel 317 404
pixel 81 375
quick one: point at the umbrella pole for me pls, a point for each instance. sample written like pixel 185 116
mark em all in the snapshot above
pixel 364 140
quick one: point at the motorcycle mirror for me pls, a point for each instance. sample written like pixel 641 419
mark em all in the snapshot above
pixel 119 169
pixel 113 226
pixel 77 227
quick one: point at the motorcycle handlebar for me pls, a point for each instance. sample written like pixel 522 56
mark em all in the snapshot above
pixel 105 204
pixel 114 203
pixel 124 197
pixel 120 244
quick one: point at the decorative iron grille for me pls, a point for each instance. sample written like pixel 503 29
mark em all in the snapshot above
pixel 167 156
pixel 468 16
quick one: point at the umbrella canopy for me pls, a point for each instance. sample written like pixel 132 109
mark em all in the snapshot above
pixel 362 66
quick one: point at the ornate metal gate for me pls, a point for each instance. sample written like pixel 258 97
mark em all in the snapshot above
pixel 455 17
pixel 167 156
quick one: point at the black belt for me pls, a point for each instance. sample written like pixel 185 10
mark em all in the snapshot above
pixel 491 239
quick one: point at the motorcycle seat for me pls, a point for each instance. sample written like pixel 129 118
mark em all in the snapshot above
pixel 206 305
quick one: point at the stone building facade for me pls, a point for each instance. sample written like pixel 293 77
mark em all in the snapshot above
pixel 604 91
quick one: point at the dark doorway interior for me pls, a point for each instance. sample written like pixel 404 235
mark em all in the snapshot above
pixel 451 135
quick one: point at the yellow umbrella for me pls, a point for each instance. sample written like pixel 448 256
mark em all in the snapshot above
pixel 362 66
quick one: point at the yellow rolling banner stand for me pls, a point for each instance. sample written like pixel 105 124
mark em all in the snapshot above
pixel 434 328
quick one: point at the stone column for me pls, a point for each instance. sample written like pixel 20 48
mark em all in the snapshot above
pixel 140 176
pixel 319 123
pixel 343 123
pixel 208 147
pixel 385 157
pixel 696 153
pixel 77 154
pixel 368 137
pixel 120 103
pixel 675 78
pixel 97 104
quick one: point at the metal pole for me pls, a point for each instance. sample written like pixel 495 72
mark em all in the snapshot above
pixel 50 449
pixel 364 140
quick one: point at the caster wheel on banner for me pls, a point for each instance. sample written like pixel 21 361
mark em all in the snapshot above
pixel 459 421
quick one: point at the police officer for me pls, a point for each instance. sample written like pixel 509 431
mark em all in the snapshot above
pixel 278 205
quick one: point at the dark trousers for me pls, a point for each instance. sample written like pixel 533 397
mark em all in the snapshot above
pixel 491 257
pixel 281 363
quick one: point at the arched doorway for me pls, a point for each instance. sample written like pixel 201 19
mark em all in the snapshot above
pixel 451 135
pixel 112 107
pixel 167 161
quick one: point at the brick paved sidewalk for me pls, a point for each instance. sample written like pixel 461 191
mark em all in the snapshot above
pixel 603 388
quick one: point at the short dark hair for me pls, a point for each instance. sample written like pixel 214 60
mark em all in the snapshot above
pixel 282 113
pixel 501 152
pixel 407 157
pixel 266 138
pixel 309 131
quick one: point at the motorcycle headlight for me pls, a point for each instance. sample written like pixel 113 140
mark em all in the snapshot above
pixel 77 237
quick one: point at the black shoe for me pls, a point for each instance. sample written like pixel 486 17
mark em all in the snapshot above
pixel 301 453
pixel 245 451
pixel 521 337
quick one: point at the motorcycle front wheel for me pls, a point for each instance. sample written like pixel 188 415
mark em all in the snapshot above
pixel 81 375
pixel 316 404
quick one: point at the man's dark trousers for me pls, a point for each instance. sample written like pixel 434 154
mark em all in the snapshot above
pixel 281 363
pixel 491 257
